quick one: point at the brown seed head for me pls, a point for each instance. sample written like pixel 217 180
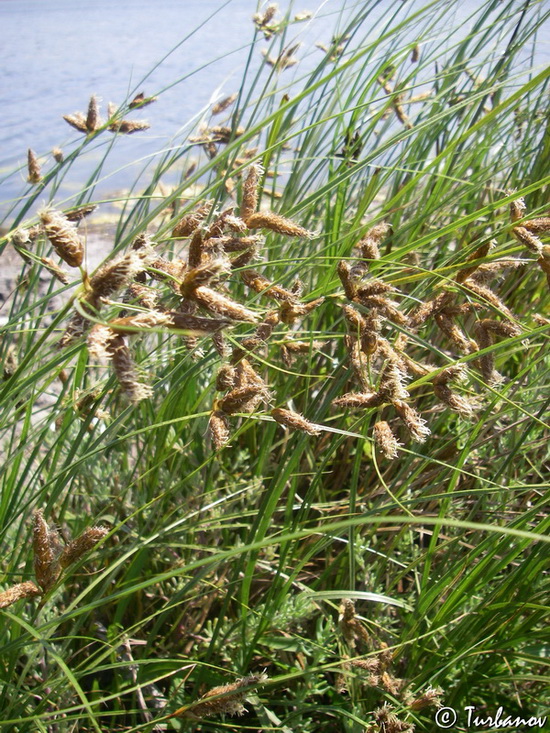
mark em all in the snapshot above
pixel 431 697
pixel 78 121
pixel 249 202
pixel 243 399
pixel 359 400
pixel 190 222
pixel 528 239
pixel 220 304
pixel 541 225
pixel 80 213
pixel 83 544
pixel 92 118
pixel 128 127
pixel 344 273
pixel 416 425
pixel 291 312
pixel 117 273
pixel 58 272
pixel 140 100
pixel 35 176
pixel 125 371
pixel 46 567
pixel 218 427
pixel 276 223
pixel 223 104
pixel 63 236
pixel 18 592
pixel 58 155
pixel 517 208
pixel 260 284
pixel 224 699
pixel 386 440
pixel 294 421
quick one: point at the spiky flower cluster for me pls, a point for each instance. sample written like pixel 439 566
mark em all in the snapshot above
pixel 222 700
pixel 51 558
pixel 91 122
pixel 379 337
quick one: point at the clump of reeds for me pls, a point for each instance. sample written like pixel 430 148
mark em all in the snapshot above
pixel 51 558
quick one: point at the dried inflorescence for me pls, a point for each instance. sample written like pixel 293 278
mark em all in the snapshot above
pixel 264 21
pixel 223 104
pixel 91 122
pixel 33 166
pixel 527 233
pixel 386 440
pixel 294 421
pixel 50 559
pixel 222 700
pixel 350 626
pixel 63 236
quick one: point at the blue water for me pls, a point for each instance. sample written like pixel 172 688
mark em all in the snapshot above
pixel 55 53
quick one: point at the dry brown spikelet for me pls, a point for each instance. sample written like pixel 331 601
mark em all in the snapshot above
pixel 431 697
pixel 117 273
pixel 81 545
pixel 348 283
pixel 426 310
pixel 78 121
pixel 58 155
pixel 220 304
pixel 243 399
pixel 528 239
pixel 142 295
pixel 46 567
pixel 369 245
pixel 359 400
pixel 140 100
pixel 58 272
pixel 92 118
pixel 454 333
pixel 386 440
pixel 392 381
pixel 223 104
pixel 489 296
pixel 260 284
pixel 294 421
pixel 125 371
pixel 218 427
pixel 415 424
pixel 291 312
pixel 517 208
pixel 224 699
pixel 188 223
pixel 389 722
pixel 485 330
pixel 76 215
pixel 540 225
pixel 17 592
pixel 128 127
pixel 75 328
pixel 225 378
pixel 33 166
pixel 482 251
pixel 63 236
pixel 249 202
pixel 277 223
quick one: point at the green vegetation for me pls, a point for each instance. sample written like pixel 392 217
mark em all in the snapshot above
pixel 352 579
